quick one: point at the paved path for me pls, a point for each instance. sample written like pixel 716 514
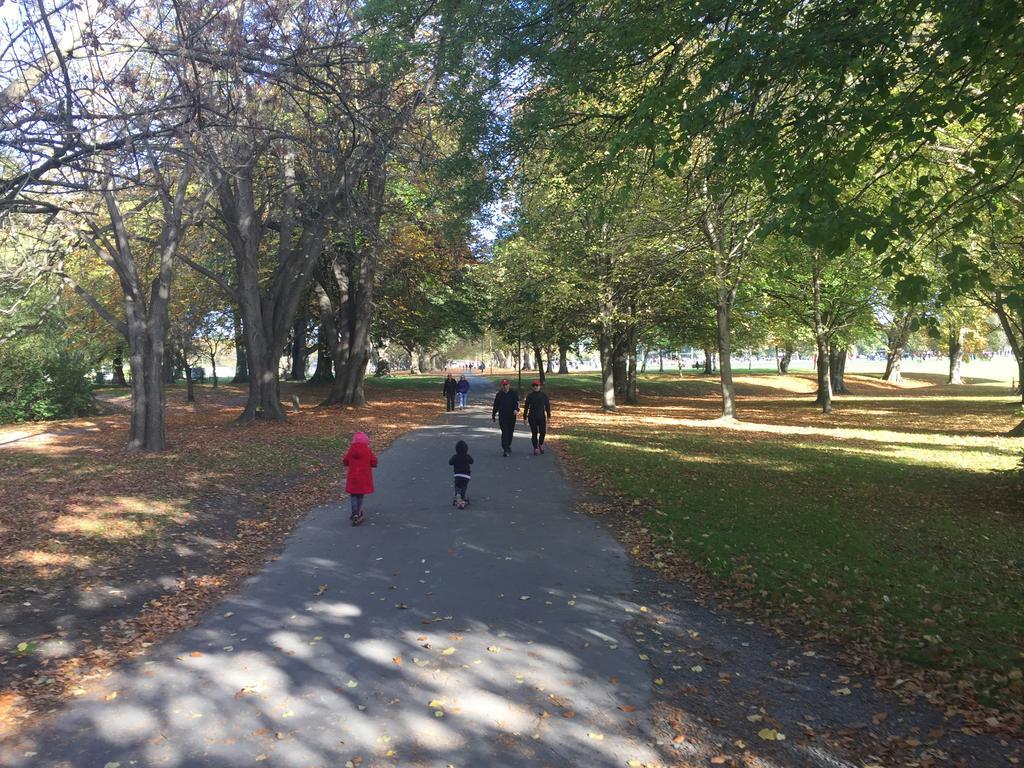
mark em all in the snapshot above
pixel 490 636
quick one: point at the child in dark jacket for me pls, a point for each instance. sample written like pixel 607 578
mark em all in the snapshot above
pixel 460 464
pixel 360 461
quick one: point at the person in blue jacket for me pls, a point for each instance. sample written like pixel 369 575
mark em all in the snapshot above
pixel 463 392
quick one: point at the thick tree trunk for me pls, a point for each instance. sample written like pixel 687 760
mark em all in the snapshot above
pixel 620 367
pixel 241 360
pixel 956 354
pixel 190 390
pixel 786 358
pixel 643 361
pixel 563 358
pixel 117 369
pixel 423 361
pixel 661 361
pixel 837 369
pixel 709 362
pixel 896 336
pixel 145 361
pixel 298 348
pixel 213 369
pixel 824 398
pixel 538 356
pixel 549 360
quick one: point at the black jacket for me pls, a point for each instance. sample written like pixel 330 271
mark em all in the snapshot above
pixel 450 387
pixel 461 462
pixel 506 404
pixel 538 406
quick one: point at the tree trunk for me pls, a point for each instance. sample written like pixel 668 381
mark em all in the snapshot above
pixel 620 367
pixel 643 362
pixel 1013 327
pixel 709 362
pixel 607 351
pixel 824 398
pixel 563 358
pixel 423 361
pixel 549 360
pixel 354 274
pixel 837 369
pixel 241 360
pixel 538 357
pixel 725 354
pixel 169 366
pixel 632 389
pixel 190 390
pixel 298 348
pixel 661 361
pixel 956 353
pixel 323 373
pixel 896 336
pixel 787 358
pixel 213 368
pixel 117 369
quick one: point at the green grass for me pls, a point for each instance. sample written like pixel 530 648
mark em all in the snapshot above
pixel 914 547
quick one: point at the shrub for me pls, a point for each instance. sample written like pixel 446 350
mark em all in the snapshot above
pixel 39 383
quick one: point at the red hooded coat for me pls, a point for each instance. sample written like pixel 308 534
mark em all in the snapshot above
pixel 359 459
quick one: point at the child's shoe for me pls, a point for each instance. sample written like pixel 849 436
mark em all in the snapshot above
pixel 536 451
pixel 358 519
pixel 541 449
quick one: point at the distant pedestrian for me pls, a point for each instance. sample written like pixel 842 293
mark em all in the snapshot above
pixel 460 464
pixel 360 461
pixel 536 412
pixel 450 389
pixel 506 409
pixel 463 392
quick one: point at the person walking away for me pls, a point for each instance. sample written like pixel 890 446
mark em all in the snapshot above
pixel 537 411
pixel 460 464
pixel 450 388
pixel 360 461
pixel 463 392
pixel 506 409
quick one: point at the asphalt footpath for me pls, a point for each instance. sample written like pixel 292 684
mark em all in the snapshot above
pixel 494 635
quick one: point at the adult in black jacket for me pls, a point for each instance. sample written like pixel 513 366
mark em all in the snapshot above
pixel 451 386
pixel 536 412
pixel 506 408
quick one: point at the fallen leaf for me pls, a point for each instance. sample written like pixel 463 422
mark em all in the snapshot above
pixel 351 684
pixel 569 714
pixel 595 736
pixel 627 708
pixel 195 654
pixel 447 651
pixel 770 734
pixel 323 588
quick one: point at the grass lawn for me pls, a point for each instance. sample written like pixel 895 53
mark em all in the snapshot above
pixel 895 524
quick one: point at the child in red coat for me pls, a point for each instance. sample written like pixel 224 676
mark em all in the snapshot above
pixel 360 461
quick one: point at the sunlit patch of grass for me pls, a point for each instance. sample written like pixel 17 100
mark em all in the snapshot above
pixel 879 524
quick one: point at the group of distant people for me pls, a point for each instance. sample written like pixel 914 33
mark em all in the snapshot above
pixel 361 460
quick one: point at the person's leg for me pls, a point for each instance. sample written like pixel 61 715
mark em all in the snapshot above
pixel 353 501
pixel 533 434
pixel 542 428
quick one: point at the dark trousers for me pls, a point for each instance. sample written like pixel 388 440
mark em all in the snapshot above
pixel 461 487
pixel 508 426
pixel 538 428
pixel 449 399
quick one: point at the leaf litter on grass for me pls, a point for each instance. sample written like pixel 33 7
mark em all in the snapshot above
pixel 82 512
